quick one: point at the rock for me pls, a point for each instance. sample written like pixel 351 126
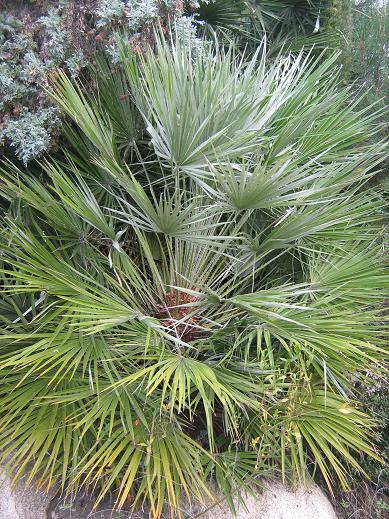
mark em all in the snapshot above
pixel 20 502
pixel 28 503
pixel 278 502
pixel 275 502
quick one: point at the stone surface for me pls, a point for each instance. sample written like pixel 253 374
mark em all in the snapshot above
pixel 278 502
pixel 21 503
pixel 275 502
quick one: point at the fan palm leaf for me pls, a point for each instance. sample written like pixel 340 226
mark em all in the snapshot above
pixel 193 293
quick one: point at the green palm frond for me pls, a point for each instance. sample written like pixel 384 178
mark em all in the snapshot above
pixel 333 429
pixel 192 292
pixel 229 15
pixel 250 19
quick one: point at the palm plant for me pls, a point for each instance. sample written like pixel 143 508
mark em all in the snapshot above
pixel 194 290
pixel 287 24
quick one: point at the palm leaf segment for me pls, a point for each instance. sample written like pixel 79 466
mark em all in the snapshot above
pixel 193 297
pixel 287 24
